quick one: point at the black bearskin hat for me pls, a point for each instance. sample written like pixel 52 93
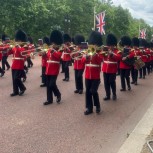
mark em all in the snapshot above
pixel 46 40
pixel 111 40
pixel 3 37
pixel 135 42
pixel 21 36
pixel 30 40
pixel 56 37
pixel 147 45
pixel 78 39
pixel 125 41
pixel 142 43
pixel 66 38
pixel 95 38
pixel 151 45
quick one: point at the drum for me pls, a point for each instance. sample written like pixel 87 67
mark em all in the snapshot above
pixel 139 63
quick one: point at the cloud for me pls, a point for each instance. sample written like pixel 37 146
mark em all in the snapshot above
pixel 138 9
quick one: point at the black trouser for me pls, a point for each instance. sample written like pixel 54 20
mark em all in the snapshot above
pixel 66 69
pixel 118 68
pixel 110 83
pixel 92 93
pixel 52 87
pixel 43 75
pixel 142 71
pixel 132 73
pixel 25 68
pixel 151 66
pixel 24 74
pixel 17 83
pixel 125 75
pixel 79 79
pixel 5 62
pixel 148 67
pixel 30 63
pixel 62 65
pixel 1 70
pixel 135 78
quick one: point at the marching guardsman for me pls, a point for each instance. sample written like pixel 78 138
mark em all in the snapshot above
pixel 5 41
pixel 18 63
pixel 92 62
pixel 151 63
pixel 66 58
pixel 46 41
pixel 1 70
pixel 78 65
pixel 53 66
pixel 30 47
pixel 144 57
pixel 136 52
pixel 110 66
pixel 126 62
pixel 148 52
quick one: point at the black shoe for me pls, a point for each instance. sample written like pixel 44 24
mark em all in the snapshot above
pixel 132 82
pixel 87 112
pixel 58 99
pixel 106 98
pixel 2 74
pixel 98 110
pixel 48 102
pixel 114 97
pixel 76 91
pixel 66 79
pixel 22 92
pixel 122 89
pixel 13 94
pixel 43 85
pixel 135 83
pixel 80 91
pixel 129 88
pixel 8 68
pixel 24 79
pixel 143 77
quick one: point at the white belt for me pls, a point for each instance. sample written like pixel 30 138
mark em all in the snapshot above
pixel 77 59
pixel 17 58
pixel 109 62
pixel 93 65
pixel 49 61
pixel 66 53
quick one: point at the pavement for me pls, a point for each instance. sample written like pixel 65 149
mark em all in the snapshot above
pixel 26 126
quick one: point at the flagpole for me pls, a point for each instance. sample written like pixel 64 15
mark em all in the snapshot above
pixel 139 30
pixel 94 18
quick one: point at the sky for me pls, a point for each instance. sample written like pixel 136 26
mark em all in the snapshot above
pixel 138 9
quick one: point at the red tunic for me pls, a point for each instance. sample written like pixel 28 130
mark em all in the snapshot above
pixel 92 66
pixel 123 65
pixel 18 59
pixel 78 65
pixel 110 62
pixel 66 54
pixel 53 62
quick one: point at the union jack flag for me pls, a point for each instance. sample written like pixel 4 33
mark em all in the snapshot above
pixel 100 23
pixel 143 33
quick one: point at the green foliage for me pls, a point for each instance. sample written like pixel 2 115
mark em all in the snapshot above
pixel 39 17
